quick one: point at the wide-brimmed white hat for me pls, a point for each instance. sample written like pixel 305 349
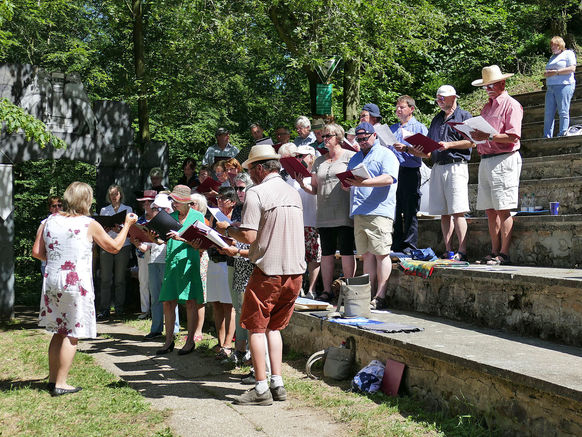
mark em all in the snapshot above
pixel 491 74
pixel 261 152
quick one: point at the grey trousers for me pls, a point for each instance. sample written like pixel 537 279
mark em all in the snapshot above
pixel 110 265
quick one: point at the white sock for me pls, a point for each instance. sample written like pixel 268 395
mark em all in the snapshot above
pixel 261 386
pixel 276 381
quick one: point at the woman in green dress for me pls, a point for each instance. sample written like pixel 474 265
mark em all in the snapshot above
pixel 182 282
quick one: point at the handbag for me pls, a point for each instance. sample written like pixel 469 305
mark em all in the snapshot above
pixel 355 295
pixel 338 362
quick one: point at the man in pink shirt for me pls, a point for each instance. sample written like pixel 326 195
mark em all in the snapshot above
pixel 500 164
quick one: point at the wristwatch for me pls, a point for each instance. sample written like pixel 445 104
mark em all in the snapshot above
pixel 491 137
pixel 237 254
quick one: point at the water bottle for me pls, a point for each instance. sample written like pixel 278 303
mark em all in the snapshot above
pixel 524 202
pixel 532 205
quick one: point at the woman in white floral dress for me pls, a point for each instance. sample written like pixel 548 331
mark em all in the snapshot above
pixel 67 307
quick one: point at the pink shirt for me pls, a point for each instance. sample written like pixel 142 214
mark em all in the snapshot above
pixel 505 114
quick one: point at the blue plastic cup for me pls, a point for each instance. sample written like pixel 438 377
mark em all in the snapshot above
pixel 554 208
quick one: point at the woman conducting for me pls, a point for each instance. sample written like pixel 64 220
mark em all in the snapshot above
pixel 67 307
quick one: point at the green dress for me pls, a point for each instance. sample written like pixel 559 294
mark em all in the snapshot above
pixel 182 280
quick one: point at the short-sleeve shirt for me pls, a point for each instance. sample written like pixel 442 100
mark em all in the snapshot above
pixel 333 203
pixel 413 126
pixel 440 130
pixel 375 200
pixel 504 114
pixel 562 60
pixel 214 151
pixel 309 140
pixel 274 210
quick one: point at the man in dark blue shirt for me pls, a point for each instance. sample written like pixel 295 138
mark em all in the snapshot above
pixel 449 177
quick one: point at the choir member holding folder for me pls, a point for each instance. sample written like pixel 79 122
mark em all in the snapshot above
pixel 336 229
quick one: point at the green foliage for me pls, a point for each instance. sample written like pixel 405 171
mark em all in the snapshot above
pixel 15 118
pixel 34 182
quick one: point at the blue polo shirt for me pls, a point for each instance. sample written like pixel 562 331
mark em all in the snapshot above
pixel 413 126
pixel 440 130
pixel 375 200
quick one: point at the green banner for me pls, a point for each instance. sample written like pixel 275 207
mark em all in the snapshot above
pixel 323 99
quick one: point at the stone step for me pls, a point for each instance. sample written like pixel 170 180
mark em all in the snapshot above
pixel 536 98
pixel 566 190
pixel 537 240
pixel 536 113
pixel 521 386
pixel 547 146
pixel 553 166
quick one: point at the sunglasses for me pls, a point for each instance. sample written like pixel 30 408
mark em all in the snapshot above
pixel 440 99
pixel 239 189
pixel 363 139
pixel 327 136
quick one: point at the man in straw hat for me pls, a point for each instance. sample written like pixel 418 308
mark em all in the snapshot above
pixel 500 164
pixel 272 223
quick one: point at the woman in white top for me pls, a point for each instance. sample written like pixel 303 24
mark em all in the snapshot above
pixel 560 84
pixel 67 308
pixel 110 262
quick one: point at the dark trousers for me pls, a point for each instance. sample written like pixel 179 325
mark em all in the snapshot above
pixel 407 204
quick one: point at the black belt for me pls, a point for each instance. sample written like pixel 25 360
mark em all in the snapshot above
pixel 496 154
pixel 450 161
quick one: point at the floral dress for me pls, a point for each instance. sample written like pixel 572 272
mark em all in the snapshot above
pixel 242 266
pixel 67 304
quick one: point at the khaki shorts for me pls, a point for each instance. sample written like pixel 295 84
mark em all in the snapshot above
pixel 449 189
pixel 269 301
pixel 499 182
pixel 373 233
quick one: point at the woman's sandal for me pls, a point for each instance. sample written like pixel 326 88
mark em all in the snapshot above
pixel 500 260
pixel 224 352
pixel 326 296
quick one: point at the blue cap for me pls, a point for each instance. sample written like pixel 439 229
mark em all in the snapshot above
pixel 365 128
pixel 372 109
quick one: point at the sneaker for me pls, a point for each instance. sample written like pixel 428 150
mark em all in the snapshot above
pixel 249 379
pixel 143 316
pixel 378 303
pixel 460 256
pixel 279 393
pixel 251 397
pixel 152 335
pixel 311 295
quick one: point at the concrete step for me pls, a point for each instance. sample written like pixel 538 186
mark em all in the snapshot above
pixel 553 166
pixel 522 386
pixel 536 113
pixel 536 98
pixel 566 190
pixel 537 240
pixel 547 146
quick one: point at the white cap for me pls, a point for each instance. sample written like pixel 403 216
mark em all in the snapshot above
pixel 446 91
pixel 162 201
pixel 305 150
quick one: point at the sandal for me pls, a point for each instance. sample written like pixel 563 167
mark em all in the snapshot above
pixel 326 296
pixel 224 352
pixel 198 338
pixel 486 259
pixel 500 259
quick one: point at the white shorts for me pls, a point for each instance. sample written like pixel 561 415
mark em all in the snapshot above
pixel 449 189
pixel 499 182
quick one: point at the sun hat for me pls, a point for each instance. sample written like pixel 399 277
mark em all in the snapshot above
pixel 221 131
pixel 260 152
pixel 366 127
pixel 352 131
pixel 148 195
pixel 489 75
pixel 372 109
pixel 181 194
pixel 305 150
pixel 162 201
pixel 317 124
pixel 446 91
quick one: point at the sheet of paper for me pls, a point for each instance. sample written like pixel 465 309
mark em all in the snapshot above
pixel 385 135
pixel 475 123
pixel 212 235
pixel 219 215
pixel 361 171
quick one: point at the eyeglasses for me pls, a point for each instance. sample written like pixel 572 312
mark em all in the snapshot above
pixel 300 156
pixel 254 166
pixel 363 139
pixel 326 136
pixel 402 107
pixel 239 189
pixel 488 87
pixel 56 205
pixel 223 199
pixel 440 99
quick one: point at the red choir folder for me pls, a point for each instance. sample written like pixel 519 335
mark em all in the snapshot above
pixel 294 167
pixel 348 146
pixel 207 236
pixel 208 185
pixel 139 232
pixel 392 377
pixel 277 147
pixel 358 170
pixel 428 144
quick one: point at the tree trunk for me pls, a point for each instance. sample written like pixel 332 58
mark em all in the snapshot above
pixel 351 103
pixel 139 59
pixel 313 79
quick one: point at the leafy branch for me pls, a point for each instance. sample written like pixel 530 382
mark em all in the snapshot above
pixel 16 118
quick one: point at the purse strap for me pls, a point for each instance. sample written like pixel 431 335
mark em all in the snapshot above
pixel 312 360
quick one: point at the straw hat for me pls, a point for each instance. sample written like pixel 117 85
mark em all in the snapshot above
pixel 261 152
pixel 491 74
pixel 181 194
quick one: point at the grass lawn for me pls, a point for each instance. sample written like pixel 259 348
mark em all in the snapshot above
pixel 105 407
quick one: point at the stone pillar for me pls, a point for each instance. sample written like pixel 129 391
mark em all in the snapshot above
pixel 6 244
